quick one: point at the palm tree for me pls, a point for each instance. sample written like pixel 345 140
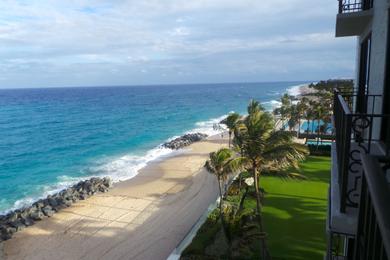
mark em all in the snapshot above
pixel 266 148
pixel 302 108
pixel 309 118
pixel 231 122
pixel 312 113
pixel 255 106
pixel 223 163
pixel 294 117
pixel 238 144
pixel 285 108
pixel 320 113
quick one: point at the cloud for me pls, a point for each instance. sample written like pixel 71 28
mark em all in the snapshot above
pixel 77 42
pixel 180 31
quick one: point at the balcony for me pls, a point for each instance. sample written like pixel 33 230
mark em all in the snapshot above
pixel 353 17
pixel 356 135
pixel 373 235
pixel 352 6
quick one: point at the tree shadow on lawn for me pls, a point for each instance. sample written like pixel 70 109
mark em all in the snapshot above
pixel 316 168
pixel 295 226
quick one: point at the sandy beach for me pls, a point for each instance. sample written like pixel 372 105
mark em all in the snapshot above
pixel 142 218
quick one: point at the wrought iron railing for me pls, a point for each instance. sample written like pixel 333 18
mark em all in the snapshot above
pixel 373 234
pixel 354 136
pixel 352 6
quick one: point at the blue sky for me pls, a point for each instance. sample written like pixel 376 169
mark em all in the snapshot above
pixel 93 43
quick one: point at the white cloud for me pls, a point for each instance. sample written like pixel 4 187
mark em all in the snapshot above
pixel 193 40
pixel 180 31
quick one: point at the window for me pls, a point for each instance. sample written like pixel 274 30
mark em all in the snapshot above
pixel 364 75
pixel 385 133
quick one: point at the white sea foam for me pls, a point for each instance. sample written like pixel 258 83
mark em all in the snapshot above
pixel 292 91
pixel 295 90
pixel 128 166
pixel 120 168
pixel 271 105
pixel 207 127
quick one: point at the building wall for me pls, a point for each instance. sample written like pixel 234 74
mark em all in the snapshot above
pixel 378 48
pixel 379 30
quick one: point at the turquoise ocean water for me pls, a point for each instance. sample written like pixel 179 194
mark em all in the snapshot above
pixel 51 138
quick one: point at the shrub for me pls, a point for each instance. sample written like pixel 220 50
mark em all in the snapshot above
pixel 321 150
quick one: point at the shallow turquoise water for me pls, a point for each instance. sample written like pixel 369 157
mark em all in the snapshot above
pixel 51 138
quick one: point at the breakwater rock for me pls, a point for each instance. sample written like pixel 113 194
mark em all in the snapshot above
pixel 223 121
pixel 21 218
pixel 184 140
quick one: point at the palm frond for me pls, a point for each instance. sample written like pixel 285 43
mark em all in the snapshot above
pixel 280 137
pixel 224 162
pixel 286 155
pixel 237 164
pixel 232 120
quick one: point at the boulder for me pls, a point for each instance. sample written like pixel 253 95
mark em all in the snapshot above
pixel 37 215
pixel 103 189
pixel 48 211
pixel 223 121
pixel 184 140
pixel 83 196
pixel 12 217
pixel 52 202
pixel 28 221
pixel 18 225
pixel 107 182
pixel 6 233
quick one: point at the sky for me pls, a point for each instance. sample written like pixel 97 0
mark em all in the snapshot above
pixel 49 43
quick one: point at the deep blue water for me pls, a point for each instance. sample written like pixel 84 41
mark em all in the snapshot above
pixel 50 138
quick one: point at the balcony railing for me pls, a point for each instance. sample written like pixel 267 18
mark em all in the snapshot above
pixel 354 136
pixel 352 6
pixel 373 235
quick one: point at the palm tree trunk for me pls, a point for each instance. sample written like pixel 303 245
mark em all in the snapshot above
pixel 308 126
pixel 239 182
pixel 223 223
pixel 220 195
pixel 240 175
pixel 299 126
pixel 264 250
pixel 241 206
pixel 257 190
pixel 318 132
pixel 230 136
pixel 312 126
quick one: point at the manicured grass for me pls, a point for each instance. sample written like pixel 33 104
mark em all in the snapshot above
pixel 294 216
pixel 295 212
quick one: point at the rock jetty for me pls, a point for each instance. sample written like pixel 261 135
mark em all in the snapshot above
pixel 223 121
pixel 184 140
pixel 19 219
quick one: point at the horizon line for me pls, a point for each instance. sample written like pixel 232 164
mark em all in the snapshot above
pixel 168 84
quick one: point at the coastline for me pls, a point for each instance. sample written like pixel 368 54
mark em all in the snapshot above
pixel 162 202
pixel 119 166
pixel 300 90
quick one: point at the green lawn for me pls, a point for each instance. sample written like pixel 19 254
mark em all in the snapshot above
pixel 295 212
pixel 294 216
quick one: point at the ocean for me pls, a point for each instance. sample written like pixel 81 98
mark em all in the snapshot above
pixel 51 138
